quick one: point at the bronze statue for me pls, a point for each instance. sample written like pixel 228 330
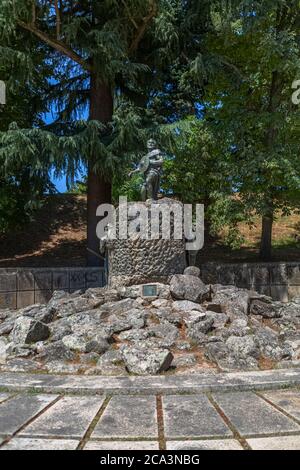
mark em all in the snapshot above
pixel 150 166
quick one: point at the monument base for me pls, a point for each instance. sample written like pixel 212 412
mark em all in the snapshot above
pixel 138 261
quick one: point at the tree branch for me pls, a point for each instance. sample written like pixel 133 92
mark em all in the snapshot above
pixel 142 29
pixel 58 20
pixel 56 44
pixel 129 15
pixel 33 14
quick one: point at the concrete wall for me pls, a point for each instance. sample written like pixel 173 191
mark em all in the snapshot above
pixel 20 287
pixel 278 280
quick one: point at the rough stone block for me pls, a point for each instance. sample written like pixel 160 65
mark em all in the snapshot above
pixel 280 293
pixel 94 278
pixel 77 280
pixel 278 274
pixel 209 274
pixel 259 275
pixel 8 282
pixel 25 280
pixel 60 280
pixel 226 275
pixel 264 290
pixel 43 280
pixel 8 300
pixel 25 298
pixel 293 291
pixel 42 296
pixel 293 274
pixel 242 275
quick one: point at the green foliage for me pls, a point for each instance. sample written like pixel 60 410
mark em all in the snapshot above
pixel 79 187
pixel 256 123
pixel 161 59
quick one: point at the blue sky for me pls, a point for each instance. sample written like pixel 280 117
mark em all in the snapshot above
pixel 60 183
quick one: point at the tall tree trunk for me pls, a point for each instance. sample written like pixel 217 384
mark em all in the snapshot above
pixel 99 189
pixel 265 252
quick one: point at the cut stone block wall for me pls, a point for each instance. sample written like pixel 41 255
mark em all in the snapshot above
pixel 278 280
pixel 20 287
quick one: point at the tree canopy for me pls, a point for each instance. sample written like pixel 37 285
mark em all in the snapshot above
pixel 210 79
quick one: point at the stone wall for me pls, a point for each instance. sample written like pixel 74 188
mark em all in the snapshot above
pixel 278 280
pixel 20 287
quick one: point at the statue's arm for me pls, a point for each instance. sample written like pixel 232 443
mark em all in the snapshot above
pixel 157 163
pixel 133 172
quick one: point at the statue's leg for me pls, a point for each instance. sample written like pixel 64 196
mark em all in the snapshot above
pixel 156 187
pixel 150 187
pixel 144 192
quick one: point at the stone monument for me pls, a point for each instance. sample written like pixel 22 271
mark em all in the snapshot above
pixel 139 259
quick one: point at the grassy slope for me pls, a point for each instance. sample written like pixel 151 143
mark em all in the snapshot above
pixel 57 238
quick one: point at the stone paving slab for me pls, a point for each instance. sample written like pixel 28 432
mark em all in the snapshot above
pixel 4 396
pixel 19 410
pixel 40 444
pixel 70 417
pixel 192 416
pixel 128 417
pixel 288 400
pixel 122 445
pixel 210 444
pixel 251 415
pixel 275 443
pixel 206 382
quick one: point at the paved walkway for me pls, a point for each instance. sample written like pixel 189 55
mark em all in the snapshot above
pixel 267 417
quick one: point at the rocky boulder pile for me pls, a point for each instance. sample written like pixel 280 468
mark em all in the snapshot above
pixel 187 327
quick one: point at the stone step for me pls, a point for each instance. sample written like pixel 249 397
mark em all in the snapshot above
pixel 147 385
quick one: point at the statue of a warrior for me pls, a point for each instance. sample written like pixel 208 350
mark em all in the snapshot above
pixel 150 166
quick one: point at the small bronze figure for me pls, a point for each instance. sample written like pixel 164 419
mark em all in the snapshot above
pixel 150 166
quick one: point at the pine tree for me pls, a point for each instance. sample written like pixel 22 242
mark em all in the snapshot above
pixel 22 183
pixel 91 46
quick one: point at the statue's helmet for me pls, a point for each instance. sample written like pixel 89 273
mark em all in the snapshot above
pixel 151 144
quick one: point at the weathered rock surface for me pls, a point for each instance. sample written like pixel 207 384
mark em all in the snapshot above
pixel 265 309
pixel 56 352
pixel 27 330
pixel 144 361
pixel 117 331
pixel 3 350
pixel 186 287
pixel 74 343
pixel 192 271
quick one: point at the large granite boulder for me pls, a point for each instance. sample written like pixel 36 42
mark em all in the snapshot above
pixel 186 287
pixel 145 361
pixel 27 330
